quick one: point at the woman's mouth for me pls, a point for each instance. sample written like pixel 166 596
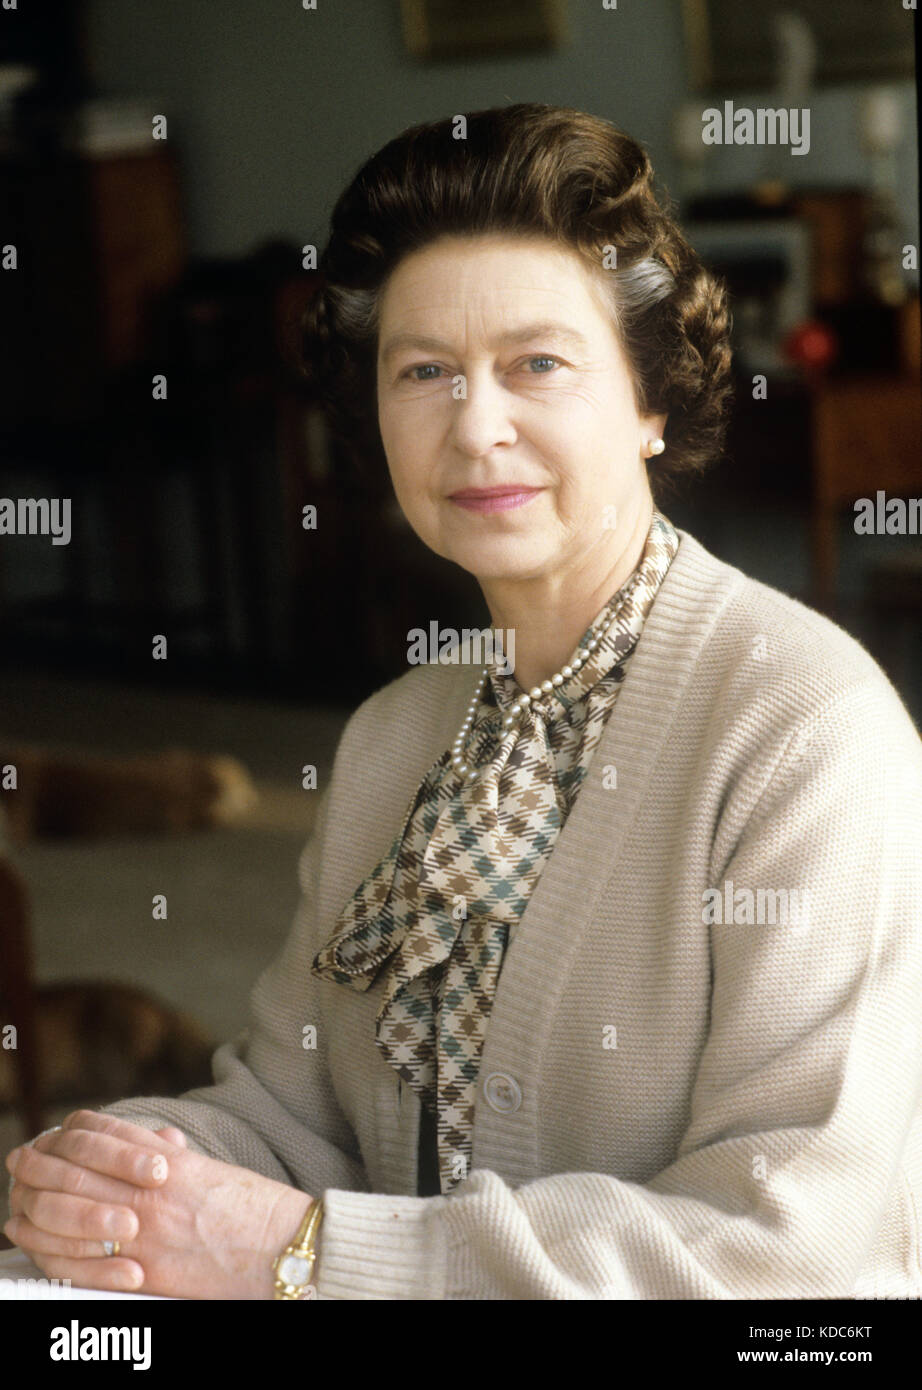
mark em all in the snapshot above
pixel 494 499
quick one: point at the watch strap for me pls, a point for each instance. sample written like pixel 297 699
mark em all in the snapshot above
pixel 294 1266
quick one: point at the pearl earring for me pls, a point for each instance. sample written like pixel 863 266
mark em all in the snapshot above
pixel 657 446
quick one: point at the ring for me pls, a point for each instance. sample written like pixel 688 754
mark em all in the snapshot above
pixel 111 1247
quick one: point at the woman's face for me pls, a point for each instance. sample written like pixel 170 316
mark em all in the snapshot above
pixel 499 366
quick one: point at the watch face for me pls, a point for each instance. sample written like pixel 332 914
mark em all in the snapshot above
pixel 293 1270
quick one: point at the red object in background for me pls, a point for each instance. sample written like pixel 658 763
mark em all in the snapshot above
pixel 811 344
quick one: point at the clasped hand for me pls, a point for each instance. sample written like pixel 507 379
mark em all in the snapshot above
pixel 188 1226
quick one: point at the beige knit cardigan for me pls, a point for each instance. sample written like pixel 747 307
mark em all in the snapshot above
pixel 685 1108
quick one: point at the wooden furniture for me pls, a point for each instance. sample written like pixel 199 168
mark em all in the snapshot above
pixel 98 242
pixel 867 436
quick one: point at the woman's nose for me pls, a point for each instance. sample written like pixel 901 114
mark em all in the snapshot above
pixel 480 417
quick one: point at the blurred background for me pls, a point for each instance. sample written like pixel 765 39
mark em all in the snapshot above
pixel 165 168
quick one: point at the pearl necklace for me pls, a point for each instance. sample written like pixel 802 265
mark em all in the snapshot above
pixel 515 710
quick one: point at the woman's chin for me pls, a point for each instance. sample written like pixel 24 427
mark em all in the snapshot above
pixel 494 563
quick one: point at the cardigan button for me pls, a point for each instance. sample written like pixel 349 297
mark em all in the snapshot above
pixel 502 1092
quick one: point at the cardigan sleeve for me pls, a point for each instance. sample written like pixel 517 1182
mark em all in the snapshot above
pixel 805 1093
pixel 272 1107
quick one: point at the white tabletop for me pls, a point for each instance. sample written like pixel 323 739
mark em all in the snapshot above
pixel 21 1279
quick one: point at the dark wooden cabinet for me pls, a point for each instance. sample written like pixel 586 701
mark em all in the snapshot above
pixel 98 242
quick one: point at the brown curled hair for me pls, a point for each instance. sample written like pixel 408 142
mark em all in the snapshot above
pixel 539 170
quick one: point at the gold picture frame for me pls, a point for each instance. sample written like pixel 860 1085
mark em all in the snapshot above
pixel 446 29
pixel 730 46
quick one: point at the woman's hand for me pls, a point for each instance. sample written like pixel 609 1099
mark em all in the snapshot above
pixel 188 1226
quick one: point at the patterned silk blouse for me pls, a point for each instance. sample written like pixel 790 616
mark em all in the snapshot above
pixel 434 918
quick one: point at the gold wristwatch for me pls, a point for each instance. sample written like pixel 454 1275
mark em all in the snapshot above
pixel 295 1265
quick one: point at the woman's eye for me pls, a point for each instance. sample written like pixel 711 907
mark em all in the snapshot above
pixel 430 371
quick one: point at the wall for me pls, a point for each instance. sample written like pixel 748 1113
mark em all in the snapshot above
pixel 275 106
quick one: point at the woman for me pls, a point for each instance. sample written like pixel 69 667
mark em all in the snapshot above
pixel 605 981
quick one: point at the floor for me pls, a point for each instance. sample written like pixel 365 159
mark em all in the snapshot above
pixel 231 893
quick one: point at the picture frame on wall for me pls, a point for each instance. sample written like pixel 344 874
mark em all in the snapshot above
pixel 731 46
pixel 445 29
